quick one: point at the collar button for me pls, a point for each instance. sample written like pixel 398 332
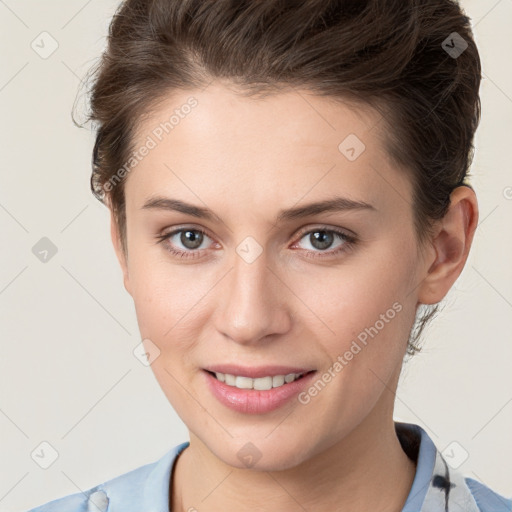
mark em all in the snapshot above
pixel 98 502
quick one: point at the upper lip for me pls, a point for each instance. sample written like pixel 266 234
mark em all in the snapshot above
pixel 256 371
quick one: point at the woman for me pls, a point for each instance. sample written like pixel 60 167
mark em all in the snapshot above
pixel 288 191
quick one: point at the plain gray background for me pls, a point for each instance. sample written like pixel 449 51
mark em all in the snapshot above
pixel 68 374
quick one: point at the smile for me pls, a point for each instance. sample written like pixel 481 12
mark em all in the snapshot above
pixel 260 384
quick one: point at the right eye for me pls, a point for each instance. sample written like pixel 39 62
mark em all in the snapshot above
pixel 190 238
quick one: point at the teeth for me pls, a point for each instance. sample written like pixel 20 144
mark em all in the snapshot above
pixel 261 383
pixel 278 380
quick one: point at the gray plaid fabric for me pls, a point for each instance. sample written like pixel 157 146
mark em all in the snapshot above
pixel 448 491
pixel 438 487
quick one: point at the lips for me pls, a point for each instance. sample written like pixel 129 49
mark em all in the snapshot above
pixel 259 399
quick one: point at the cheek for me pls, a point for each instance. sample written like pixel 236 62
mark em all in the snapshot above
pixel 367 304
pixel 171 304
pixel 168 305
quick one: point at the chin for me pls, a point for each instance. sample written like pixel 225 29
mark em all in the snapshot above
pixel 262 455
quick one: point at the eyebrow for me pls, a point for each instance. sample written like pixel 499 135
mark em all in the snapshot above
pixel 329 205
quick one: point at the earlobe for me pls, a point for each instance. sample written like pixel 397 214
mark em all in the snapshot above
pixel 452 244
pixel 118 248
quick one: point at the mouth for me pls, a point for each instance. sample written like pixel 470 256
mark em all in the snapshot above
pixel 263 383
pixel 256 390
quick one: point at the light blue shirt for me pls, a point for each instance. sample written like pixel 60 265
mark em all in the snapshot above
pixel 436 486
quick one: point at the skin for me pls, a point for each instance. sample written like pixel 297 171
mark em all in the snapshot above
pixel 246 159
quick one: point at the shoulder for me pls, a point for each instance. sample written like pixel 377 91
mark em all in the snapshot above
pixel 98 495
pixel 135 490
pixel 487 499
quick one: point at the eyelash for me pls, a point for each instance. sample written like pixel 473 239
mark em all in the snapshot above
pixel 349 242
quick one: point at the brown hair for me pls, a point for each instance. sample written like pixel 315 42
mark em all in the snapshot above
pixel 414 61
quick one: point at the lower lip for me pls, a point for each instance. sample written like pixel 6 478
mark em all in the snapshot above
pixel 252 401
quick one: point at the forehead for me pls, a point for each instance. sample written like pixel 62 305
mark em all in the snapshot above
pixel 277 148
pixel 295 117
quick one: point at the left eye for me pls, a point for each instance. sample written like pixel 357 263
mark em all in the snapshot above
pixel 322 239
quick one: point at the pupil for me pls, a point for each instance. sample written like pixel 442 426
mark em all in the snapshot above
pixel 318 237
pixel 195 239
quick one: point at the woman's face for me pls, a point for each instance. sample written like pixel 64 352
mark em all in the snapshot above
pixel 271 283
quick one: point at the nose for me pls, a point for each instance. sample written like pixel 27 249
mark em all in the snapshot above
pixel 254 302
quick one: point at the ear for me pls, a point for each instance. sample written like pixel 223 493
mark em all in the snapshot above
pixel 118 248
pixel 451 246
